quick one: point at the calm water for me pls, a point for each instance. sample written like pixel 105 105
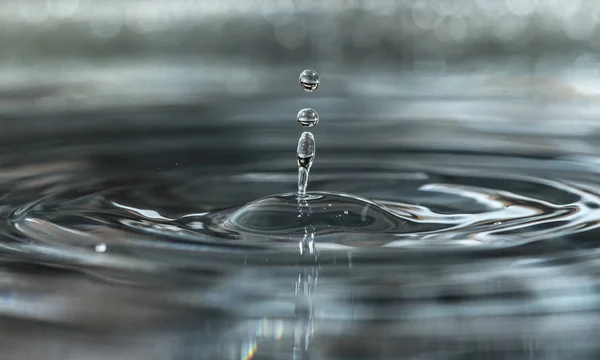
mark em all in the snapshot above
pixel 173 232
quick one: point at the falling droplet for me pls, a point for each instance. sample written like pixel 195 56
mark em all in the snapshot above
pixel 309 79
pixel 306 156
pixel 308 118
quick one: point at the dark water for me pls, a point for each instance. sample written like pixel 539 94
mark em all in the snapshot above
pixel 173 233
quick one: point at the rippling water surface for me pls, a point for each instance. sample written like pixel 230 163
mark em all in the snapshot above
pixel 175 232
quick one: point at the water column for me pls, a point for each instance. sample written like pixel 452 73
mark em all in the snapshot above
pixel 307 275
pixel 303 332
pixel 307 118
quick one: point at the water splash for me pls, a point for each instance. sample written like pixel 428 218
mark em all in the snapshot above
pixel 306 156
pixel 503 245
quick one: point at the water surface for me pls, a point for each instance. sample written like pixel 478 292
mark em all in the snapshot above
pixel 444 228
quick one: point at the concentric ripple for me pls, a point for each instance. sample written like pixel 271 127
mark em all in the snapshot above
pixel 422 209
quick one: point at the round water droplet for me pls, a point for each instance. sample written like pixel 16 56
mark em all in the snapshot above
pixel 309 79
pixel 308 118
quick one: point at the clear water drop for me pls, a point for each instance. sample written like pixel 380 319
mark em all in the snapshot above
pixel 306 156
pixel 308 118
pixel 309 79
pixel 306 147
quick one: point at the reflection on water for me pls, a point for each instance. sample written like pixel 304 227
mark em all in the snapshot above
pixel 128 237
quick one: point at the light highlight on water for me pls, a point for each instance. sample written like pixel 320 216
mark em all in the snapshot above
pixel 101 248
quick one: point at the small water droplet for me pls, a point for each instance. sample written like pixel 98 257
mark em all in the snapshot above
pixel 346 212
pixel 309 79
pixel 101 248
pixel 498 223
pixel 308 118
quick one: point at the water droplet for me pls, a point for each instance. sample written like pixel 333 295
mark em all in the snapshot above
pixel 306 155
pixel 346 212
pixel 308 118
pixel 100 248
pixel 309 79
pixel 306 145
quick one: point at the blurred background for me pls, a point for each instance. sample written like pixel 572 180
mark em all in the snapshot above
pixel 391 61
pixel 74 54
